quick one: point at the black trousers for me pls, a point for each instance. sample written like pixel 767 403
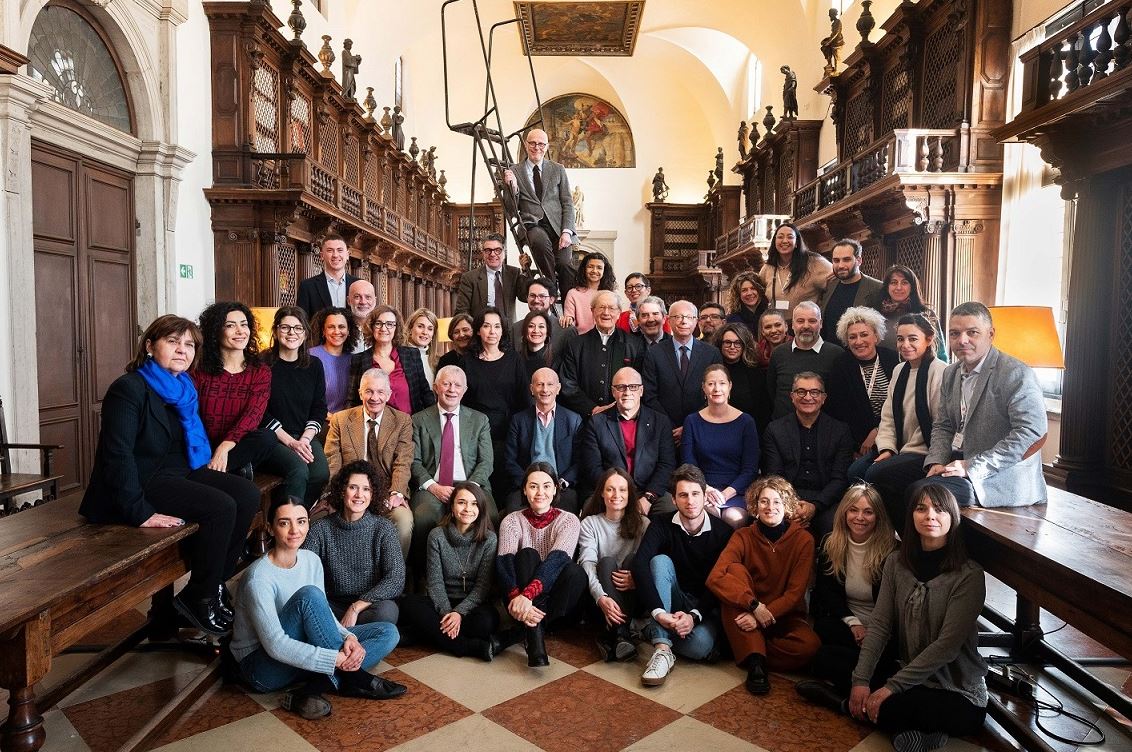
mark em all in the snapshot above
pixel 625 599
pixel 961 488
pixel 838 654
pixel 553 262
pixel 562 599
pixel 931 710
pixel 420 620
pixel 223 506
pixel 252 450
pixel 892 477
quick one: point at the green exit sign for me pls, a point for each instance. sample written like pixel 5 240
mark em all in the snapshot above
pixel 186 271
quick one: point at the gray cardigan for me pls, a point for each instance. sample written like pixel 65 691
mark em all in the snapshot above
pixel 934 622
pixel 362 559
pixel 447 555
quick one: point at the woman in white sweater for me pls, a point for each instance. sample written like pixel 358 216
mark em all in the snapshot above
pixel 906 419
pixel 285 631
pixel 612 527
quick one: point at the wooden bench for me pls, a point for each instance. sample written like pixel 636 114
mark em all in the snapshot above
pixel 1072 557
pixel 60 578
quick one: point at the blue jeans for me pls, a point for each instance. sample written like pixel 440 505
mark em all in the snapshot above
pixel 307 618
pixel 699 642
pixel 861 465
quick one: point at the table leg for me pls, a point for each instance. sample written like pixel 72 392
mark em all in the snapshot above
pixel 23 731
pixel 1027 627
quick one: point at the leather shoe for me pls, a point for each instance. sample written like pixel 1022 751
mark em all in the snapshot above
pixel 223 606
pixel 758 681
pixel 820 693
pixel 536 648
pixel 491 648
pixel 364 684
pixel 202 615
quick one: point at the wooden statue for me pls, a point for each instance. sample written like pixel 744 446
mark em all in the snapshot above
pixel 719 164
pixel 789 93
pixel 659 187
pixel 744 139
pixel 831 45
pixel 350 65
pixel 398 131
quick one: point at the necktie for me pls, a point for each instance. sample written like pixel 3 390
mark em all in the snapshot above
pixel 538 182
pixel 372 452
pixel 447 452
pixel 683 360
pixel 499 290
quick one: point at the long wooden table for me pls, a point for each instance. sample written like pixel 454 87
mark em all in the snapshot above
pixel 60 578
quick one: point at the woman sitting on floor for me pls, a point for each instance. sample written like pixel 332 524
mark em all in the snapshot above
pixel 929 601
pixel 285 630
pixel 611 531
pixel 359 548
pixel 537 575
pixel 455 614
pixel 150 469
pixel 761 580
pixel 848 580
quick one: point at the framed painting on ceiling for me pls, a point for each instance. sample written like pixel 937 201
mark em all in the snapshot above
pixel 585 131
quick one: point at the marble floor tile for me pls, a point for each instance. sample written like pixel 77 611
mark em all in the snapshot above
pixel 687 734
pixel 480 685
pixel 109 720
pixel 223 704
pixel 134 670
pixel 62 736
pixel 573 714
pixel 689 686
pixel 575 646
pixel 472 734
pixel 402 655
pixel 262 732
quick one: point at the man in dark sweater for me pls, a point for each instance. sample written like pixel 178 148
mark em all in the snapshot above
pixel 808 352
pixel 670 569
pixel 851 288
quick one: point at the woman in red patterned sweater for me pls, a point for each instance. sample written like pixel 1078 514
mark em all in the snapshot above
pixel 234 387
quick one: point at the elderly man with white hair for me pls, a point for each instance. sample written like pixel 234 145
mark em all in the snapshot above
pixel 808 352
pixel 673 372
pixel 590 360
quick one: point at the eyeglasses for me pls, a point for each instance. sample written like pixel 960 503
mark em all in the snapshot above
pixel 771 503
pixel 385 325
pixel 681 317
pixel 535 296
pixel 607 308
pixel 493 251
pixel 634 288
pixel 288 328
pixel 537 144
pixel 803 393
pixel 710 317
pixel 731 343
pixel 622 388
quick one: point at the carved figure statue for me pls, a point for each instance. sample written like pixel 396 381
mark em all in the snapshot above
pixel 744 139
pixel 659 187
pixel 831 45
pixel 719 164
pixel 789 93
pixel 350 65
pixel 398 131
pixel 579 200
pixel 428 160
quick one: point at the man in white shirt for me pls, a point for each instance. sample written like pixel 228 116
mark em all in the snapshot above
pixel 328 288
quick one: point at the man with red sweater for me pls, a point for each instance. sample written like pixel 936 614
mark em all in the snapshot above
pixel 670 569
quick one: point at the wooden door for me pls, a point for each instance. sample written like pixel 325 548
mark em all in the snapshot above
pixel 84 302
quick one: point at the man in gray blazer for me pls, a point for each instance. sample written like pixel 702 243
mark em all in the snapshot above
pixel 547 209
pixel 493 283
pixel 472 457
pixel 852 287
pixel 991 424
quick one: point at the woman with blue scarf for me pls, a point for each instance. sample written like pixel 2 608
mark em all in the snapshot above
pixel 150 469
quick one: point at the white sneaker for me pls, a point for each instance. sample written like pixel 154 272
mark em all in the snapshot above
pixel 659 666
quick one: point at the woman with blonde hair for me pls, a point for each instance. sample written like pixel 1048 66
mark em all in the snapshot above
pixel 409 391
pixel 850 561
pixel 761 579
pixel 746 300
pixel 420 333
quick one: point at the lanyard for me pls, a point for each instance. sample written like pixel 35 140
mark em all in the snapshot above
pixel 872 378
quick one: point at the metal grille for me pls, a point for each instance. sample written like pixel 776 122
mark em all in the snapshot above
pixel 858 125
pixel 941 62
pixel 768 203
pixel 1120 437
pixel 910 252
pixel 872 260
pixel 353 159
pixel 265 108
pixel 373 178
pixel 785 180
pixel 679 235
pixel 895 99
pixel 286 272
pixel 301 125
pixel 328 144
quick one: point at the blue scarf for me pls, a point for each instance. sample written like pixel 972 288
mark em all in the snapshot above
pixel 180 392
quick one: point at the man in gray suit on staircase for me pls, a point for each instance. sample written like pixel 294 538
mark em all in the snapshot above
pixel 991 424
pixel 546 209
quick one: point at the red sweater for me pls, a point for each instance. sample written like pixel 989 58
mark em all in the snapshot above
pixel 232 404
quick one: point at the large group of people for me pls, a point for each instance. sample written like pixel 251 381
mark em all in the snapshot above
pixel 678 474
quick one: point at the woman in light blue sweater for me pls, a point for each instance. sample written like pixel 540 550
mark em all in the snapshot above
pixel 285 631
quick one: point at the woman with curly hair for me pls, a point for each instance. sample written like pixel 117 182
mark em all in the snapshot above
pixel 792 273
pixel 535 348
pixel 410 391
pixel 611 531
pixel 746 300
pixel 234 387
pixel 850 561
pixel 594 273
pixel 455 613
pixel 900 296
pixel 761 580
pixel 331 331
pixel 460 335
pixel 359 549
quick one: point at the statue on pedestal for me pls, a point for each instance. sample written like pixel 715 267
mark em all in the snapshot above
pixel 719 164
pixel 428 161
pixel 789 93
pixel 579 200
pixel 831 45
pixel 659 187
pixel 350 65
pixel 744 139
pixel 398 131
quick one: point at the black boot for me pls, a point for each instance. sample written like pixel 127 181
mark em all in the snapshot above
pixel 223 605
pixel 202 615
pixel 365 685
pixel 821 693
pixel 536 647
pixel 758 680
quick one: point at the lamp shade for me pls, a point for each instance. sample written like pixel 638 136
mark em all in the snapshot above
pixel 1029 334
pixel 264 318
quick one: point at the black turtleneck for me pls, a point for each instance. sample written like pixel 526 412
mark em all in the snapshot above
pixel 773 533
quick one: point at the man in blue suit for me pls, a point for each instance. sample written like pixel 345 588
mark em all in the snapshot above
pixel 673 370
pixel 331 286
pixel 546 432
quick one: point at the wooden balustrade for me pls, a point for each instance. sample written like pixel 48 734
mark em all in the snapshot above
pixel 742 246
